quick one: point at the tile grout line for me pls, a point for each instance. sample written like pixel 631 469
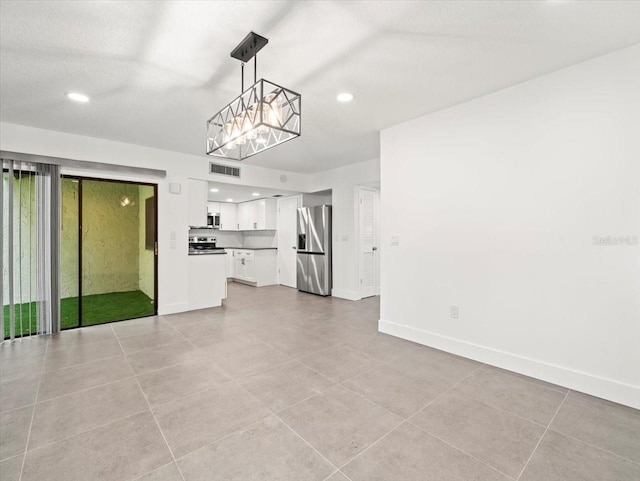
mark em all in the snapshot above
pixel 153 471
pixel 33 413
pixel 594 446
pixel 239 430
pixel 87 430
pixel 151 411
pixel 445 392
pixel 453 446
pixel 71 366
pixel 79 391
pixel 404 421
pixel 498 408
pixel 289 427
pixel 542 437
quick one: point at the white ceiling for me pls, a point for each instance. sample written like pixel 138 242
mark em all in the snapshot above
pixel 155 71
pixel 242 193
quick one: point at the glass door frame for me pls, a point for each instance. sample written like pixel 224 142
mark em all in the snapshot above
pixel 80 178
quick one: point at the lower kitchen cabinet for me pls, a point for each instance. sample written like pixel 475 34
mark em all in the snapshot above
pixel 255 267
pixel 230 268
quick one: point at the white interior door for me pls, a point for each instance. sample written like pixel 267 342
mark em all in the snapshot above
pixel 287 218
pixel 369 255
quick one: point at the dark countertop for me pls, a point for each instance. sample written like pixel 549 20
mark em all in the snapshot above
pixel 251 248
pixel 208 253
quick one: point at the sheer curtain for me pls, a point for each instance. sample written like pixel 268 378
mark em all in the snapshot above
pixel 30 244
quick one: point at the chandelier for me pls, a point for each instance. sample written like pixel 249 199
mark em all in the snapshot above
pixel 261 117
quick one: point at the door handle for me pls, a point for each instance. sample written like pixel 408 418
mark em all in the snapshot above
pixel 293 247
pixel 374 248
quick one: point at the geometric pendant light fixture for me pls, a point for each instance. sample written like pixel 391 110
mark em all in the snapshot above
pixel 261 117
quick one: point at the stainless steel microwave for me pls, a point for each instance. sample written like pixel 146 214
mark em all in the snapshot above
pixel 213 221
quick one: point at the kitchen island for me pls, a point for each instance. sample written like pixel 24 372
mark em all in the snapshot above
pixel 207 278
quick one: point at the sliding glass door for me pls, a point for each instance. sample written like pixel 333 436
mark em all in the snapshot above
pixel 108 253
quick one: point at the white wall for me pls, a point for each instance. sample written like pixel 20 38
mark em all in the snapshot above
pixel 497 201
pixel 172 208
pixel 344 183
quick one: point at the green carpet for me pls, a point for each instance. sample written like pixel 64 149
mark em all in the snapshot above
pixel 96 308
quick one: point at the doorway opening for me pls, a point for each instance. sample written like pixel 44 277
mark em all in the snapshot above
pixel 108 251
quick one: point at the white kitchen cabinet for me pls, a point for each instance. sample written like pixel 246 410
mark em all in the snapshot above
pixel 267 214
pixel 213 207
pixel 256 267
pixel 229 266
pixel 228 216
pixel 250 266
pixel 259 214
pixel 247 215
pixel 197 202
pixel 239 271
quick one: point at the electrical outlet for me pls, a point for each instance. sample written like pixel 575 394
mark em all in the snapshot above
pixel 454 312
pixel 395 240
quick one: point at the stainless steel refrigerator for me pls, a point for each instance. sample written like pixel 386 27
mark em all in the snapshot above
pixel 314 250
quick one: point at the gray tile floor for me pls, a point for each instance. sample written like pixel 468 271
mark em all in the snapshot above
pixel 283 385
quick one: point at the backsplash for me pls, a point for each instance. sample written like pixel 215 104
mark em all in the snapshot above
pixel 248 239
pixel 260 239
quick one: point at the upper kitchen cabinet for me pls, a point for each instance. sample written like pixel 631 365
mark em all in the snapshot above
pixel 247 215
pixel 228 216
pixel 197 194
pixel 259 214
pixel 267 214
pixel 213 207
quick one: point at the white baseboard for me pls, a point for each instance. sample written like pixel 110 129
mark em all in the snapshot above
pixel 344 294
pixel 172 308
pixel 611 390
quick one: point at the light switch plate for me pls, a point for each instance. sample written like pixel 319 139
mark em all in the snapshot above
pixel 395 240
pixel 175 188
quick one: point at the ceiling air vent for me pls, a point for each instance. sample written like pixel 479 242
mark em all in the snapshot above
pixel 220 169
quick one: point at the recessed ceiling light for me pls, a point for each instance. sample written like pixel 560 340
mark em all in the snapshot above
pixel 345 97
pixel 214 190
pixel 229 200
pixel 255 194
pixel 77 97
